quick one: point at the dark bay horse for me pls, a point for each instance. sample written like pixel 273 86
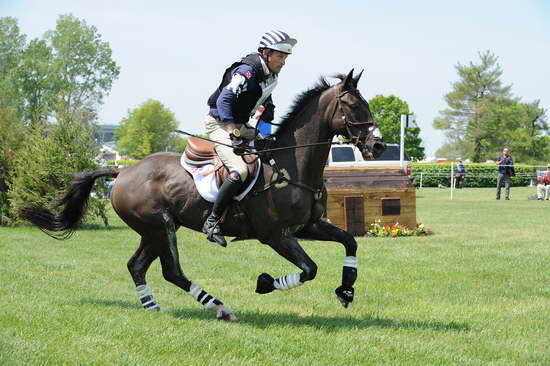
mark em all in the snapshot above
pixel 157 196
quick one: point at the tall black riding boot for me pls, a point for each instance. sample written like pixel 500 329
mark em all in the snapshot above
pixel 211 227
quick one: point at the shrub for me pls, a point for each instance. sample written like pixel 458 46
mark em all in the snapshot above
pixel 11 134
pixel 44 167
pixel 477 175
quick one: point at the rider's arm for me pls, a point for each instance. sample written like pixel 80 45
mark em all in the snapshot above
pixel 230 92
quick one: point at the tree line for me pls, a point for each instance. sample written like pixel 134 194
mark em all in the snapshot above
pixel 51 89
pixel 483 117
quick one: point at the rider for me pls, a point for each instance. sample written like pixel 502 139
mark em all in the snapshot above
pixel 246 85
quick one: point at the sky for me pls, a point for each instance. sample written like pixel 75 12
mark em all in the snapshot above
pixel 176 51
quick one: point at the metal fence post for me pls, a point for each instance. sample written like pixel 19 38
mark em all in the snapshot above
pixel 452 179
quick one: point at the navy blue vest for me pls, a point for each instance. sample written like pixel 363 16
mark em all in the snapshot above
pixel 246 101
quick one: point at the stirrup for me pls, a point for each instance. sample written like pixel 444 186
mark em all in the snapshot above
pixel 214 232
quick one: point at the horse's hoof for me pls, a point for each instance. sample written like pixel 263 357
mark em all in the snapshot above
pixel 218 239
pixel 345 295
pixel 226 314
pixel 264 284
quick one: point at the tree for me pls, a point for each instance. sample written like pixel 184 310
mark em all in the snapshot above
pixel 483 116
pixel 44 166
pixel 147 129
pixel 12 43
pixel 82 66
pixel 387 112
pixel 34 83
pixel 66 75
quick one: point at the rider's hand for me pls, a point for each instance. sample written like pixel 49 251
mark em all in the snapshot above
pixel 239 146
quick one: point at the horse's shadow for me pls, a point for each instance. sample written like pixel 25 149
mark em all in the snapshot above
pixel 330 324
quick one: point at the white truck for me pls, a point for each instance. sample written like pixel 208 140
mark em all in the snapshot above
pixel 349 156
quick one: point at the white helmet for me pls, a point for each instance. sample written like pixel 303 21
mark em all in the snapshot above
pixel 277 40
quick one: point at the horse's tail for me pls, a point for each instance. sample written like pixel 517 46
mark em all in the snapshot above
pixel 61 225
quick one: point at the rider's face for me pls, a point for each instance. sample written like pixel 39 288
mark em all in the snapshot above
pixel 275 60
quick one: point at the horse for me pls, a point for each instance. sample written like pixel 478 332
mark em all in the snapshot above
pixel 157 196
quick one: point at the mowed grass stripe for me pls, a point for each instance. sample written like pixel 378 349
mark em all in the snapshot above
pixel 477 292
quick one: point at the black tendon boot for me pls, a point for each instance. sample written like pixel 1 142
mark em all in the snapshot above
pixel 211 227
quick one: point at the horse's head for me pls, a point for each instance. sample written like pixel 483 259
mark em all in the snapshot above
pixel 352 118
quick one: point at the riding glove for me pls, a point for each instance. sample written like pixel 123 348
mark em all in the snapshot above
pixel 240 146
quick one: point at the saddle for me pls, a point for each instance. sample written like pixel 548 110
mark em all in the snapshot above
pixel 201 152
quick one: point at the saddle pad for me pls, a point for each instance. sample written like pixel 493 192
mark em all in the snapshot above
pixel 205 180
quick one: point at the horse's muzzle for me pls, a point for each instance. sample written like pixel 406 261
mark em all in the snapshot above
pixel 378 148
pixel 373 149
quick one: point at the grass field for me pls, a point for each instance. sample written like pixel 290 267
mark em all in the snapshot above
pixel 477 292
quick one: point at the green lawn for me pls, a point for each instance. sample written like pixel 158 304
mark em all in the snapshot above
pixel 477 292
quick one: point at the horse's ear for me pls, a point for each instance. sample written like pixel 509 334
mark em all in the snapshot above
pixel 348 81
pixel 356 78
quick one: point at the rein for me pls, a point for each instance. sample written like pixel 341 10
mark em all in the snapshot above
pixel 257 152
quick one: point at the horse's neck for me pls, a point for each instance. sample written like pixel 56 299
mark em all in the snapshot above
pixel 309 127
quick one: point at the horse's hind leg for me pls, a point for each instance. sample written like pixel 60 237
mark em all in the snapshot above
pixel 171 270
pixel 288 247
pixel 138 266
pixel 325 231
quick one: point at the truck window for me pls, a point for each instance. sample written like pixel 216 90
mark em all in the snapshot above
pixel 342 154
pixel 391 153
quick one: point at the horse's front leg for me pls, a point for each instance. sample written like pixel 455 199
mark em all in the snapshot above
pixel 325 231
pixel 288 247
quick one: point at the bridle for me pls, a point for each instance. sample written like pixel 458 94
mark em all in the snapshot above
pixel 348 123
pixel 355 139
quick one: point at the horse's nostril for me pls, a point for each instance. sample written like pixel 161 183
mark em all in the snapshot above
pixel 379 148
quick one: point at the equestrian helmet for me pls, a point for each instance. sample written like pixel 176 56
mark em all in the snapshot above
pixel 277 40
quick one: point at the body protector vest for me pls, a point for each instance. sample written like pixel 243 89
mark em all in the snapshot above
pixel 259 88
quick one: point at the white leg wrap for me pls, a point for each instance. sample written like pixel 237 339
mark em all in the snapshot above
pixel 146 298
pixel 287 282
pixel 203 297
pixel 350 262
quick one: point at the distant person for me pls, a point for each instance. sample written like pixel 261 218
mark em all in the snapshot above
pixel 505 173
pixel 543 186
pixel 100 160
pixel 110 185
pixel 460 174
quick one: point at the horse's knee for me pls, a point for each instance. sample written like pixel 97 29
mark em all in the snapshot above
pixel 309 273
pixel 351 246
pixel 347 240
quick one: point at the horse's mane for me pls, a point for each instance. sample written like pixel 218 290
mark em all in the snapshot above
pixel 304 98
